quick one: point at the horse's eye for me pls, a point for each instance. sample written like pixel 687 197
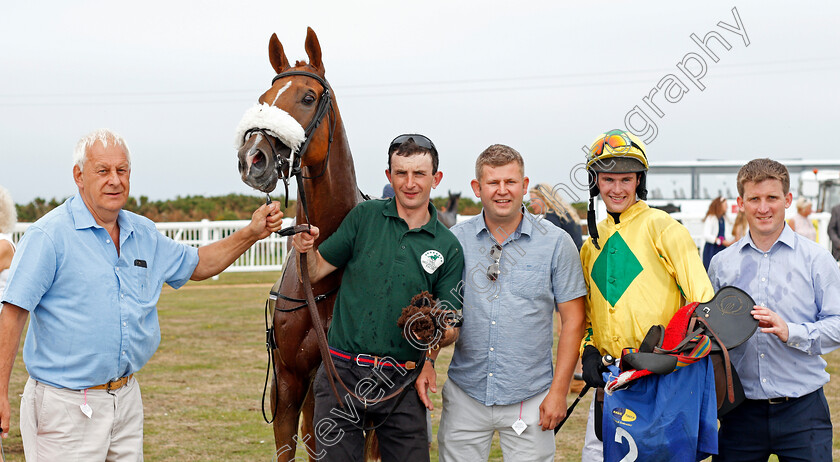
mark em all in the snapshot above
pixel 308 99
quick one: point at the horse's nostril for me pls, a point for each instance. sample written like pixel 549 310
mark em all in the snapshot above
pixel 258 161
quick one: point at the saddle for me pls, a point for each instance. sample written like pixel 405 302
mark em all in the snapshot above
pixel 697 330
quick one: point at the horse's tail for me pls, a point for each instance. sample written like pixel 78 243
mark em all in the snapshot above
pixel 372 447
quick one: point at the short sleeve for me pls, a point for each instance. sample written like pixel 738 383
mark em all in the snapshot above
pixel 180 261
pixel 337 249
pixel 448 287
pixel 566 274
pixel 32 270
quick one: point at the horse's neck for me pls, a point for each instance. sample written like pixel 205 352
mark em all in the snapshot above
pixel 332 195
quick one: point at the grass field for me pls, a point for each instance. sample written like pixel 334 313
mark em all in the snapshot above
pixel 202 389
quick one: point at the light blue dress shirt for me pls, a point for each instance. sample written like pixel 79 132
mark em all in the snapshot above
pixel 503 355
pixel 93 314
pixel 800 281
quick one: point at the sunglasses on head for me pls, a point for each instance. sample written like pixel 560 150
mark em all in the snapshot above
pixel 617 140
pixel 494 270
pixel 419 140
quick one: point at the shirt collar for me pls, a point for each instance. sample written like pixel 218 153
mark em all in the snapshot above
pixel 83 219
pixel 788 238
pixel 526 225
pixel 430 227
pixel 632 212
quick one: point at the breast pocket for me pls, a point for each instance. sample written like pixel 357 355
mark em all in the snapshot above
pixel 139 283
pixel 527 281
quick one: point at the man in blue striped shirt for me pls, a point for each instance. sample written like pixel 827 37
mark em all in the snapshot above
pixel 517 269
pixel 796 286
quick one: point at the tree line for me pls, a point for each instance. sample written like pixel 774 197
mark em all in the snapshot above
pixel 196 208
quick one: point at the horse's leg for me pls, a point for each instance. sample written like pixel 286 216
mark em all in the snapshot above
pixel 287 396
pixel 307 426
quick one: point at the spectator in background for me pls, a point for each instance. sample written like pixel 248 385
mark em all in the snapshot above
pixel 8 218
pixel 739 227
pixel 834 231
pixel 714 230
pixel 800 222
pixel 545 201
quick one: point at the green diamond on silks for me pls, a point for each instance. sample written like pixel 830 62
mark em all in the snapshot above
pixel 615 269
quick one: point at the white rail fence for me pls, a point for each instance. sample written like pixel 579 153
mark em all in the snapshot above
pixel 269 253
pixel 265 255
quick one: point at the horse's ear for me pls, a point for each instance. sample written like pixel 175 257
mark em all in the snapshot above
pixel 276 55
pixel 313 50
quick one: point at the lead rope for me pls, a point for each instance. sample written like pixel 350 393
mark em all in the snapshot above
pixel 270 346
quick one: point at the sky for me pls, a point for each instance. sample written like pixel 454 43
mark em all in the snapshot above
pixel 546 78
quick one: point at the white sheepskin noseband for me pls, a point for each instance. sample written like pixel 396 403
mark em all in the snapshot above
pixel 275 121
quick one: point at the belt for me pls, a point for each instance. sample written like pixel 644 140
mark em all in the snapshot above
pixel 113 384
pixel 366 360
pixel 780 400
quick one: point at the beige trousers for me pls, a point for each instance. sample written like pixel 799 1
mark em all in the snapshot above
pixel 467 427
pixel 54 427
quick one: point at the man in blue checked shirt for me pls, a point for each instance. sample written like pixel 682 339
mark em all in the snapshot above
pixel 517 268
pixel 89 274
pixel 796 285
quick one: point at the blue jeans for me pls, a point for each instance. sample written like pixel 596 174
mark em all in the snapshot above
pixel 796 430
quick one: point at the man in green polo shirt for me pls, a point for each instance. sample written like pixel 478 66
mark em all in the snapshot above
pixel 390 250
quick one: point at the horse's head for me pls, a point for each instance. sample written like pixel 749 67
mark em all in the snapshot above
pixel 453 199
pixel 283 131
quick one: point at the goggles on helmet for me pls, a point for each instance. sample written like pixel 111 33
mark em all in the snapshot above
pixel 607 150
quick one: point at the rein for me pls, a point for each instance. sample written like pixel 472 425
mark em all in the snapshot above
pixel 293 167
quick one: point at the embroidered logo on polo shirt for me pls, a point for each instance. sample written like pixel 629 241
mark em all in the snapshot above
pixel 431 260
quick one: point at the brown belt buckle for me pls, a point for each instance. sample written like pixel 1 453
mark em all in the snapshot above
pixel 110 385
pixel 113 384
pixel 781 400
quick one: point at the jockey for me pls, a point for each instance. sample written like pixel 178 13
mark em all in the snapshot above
pixel 640 265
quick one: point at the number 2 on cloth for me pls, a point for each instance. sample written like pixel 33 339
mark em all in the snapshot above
pixel 620 434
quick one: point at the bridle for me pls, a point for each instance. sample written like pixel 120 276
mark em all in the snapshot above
pixel 288 168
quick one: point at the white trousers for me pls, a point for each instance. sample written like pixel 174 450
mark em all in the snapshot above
pixel 467 427
pixel 593 448
pixel 54 428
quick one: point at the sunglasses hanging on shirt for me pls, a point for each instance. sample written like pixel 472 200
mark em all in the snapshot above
pixel 494 270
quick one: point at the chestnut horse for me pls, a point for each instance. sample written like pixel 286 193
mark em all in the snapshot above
pixel 271 140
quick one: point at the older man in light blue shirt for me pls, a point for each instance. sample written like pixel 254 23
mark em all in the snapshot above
pixel 97 291
pixel 89 274
pixel 517 269
pixel 796 286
